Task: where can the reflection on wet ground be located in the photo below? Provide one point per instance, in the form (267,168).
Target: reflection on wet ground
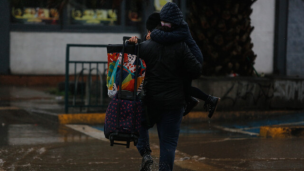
(33,134)
(28,98)
(254,125)
(69,156)
(244,153)
(203,147)
(24,134)
(26,143)
(51,147)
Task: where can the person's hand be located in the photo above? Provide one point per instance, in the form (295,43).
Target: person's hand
(148,37)
(133,39)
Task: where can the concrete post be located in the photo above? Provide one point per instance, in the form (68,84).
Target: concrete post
(280,39)
(4,37)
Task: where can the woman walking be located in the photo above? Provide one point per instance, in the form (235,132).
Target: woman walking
(167,66)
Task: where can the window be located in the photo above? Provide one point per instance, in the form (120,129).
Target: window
(158,4)
(33,12)
(82,15)
(133,13)
(93,12)
(77,15)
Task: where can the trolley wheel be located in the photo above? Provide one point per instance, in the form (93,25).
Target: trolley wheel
(135,141)
(128,144)
(111,140)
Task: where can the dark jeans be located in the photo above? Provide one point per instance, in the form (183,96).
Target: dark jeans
(193,91)
(168,131)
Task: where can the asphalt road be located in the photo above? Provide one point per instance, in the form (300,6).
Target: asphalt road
(27,143)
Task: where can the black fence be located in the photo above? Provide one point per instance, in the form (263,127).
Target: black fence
(87,83)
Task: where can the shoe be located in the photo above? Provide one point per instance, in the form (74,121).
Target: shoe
(146,163)
(211,104)
(190,105)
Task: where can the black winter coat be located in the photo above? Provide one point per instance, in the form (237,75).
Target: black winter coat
(167,65)
(172,14)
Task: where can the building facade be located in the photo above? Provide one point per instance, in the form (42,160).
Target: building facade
(34,35)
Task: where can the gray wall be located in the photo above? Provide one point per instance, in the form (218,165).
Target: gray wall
(262,18)
(295,41)
(4,37)
(253,93)
(44,53)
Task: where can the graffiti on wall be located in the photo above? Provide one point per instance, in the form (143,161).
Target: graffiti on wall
(251,92)
(262,94)
(289,90)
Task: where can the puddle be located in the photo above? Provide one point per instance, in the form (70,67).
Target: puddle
(254,126)
(28,134)
(34,134)
(185,129)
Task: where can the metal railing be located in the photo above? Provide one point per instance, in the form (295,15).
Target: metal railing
(88,83)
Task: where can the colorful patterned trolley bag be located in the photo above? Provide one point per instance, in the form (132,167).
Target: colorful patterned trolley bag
(125,77)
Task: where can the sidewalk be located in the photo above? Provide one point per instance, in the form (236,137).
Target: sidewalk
(237,141)
(38,102)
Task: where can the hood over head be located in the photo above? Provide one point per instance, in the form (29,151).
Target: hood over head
(172,14)
(153,21)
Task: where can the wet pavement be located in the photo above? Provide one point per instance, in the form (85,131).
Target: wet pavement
(252,127)
(35,98)
(33,145)
(30,143)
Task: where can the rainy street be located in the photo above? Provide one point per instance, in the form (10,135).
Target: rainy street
(28,143)
(72,71)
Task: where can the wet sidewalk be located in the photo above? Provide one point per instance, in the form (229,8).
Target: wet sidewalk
(35,98)
(31,139)
(37,147)
(37,101)
(201,147)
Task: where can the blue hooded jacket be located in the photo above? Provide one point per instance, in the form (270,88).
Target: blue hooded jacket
(171,13)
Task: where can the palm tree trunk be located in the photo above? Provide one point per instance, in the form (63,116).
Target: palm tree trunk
(222,30)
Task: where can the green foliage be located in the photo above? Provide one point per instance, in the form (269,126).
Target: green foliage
(55,91)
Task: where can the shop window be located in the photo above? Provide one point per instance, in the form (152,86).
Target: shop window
(81,15)
(133,11)
(158,4)
(33,12)
(93,12)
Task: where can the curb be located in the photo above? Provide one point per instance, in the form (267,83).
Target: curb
(275,131)
(279,131)
(62,119)
(83,118)
(192,117)
(195,117)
